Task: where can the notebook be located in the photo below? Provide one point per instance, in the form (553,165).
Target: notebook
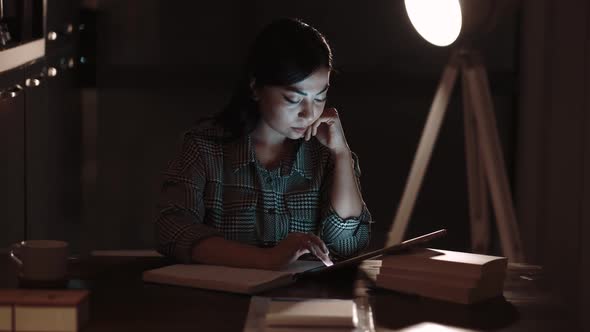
(291,312)
(252,281)
(360,319)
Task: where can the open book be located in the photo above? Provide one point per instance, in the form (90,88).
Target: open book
(230,279)
(251,281)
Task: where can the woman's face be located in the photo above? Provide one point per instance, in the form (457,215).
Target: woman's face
(289,110)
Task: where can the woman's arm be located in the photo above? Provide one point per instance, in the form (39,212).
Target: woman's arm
(345,194)
(345,218)
(179,224)
(345,236)
(219,251)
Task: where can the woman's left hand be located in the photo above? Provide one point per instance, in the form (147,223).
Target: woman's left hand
(328,130)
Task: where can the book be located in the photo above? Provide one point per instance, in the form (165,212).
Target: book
(255,320)
(445,292)
(43,310)
(229,279)
(445,275)
(126,253)
(441,278)
(447,262)
(289,312)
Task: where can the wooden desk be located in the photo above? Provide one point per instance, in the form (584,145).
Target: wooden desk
(121,301)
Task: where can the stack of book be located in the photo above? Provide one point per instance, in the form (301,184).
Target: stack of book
(446,275)
(43,310)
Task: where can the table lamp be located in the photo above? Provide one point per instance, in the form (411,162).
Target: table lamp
(458,23)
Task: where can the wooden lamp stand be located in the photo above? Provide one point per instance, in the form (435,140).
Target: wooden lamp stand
(485,162)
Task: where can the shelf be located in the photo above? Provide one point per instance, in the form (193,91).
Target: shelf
(19,55)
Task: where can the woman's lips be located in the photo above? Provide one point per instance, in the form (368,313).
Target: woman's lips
(299,130)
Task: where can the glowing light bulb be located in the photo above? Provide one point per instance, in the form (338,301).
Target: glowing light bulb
(437,21)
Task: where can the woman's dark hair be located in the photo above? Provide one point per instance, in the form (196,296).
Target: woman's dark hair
(285,52)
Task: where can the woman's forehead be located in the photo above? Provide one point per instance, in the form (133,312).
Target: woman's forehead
(315,83)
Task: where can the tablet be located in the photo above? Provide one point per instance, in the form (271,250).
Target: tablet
(408,244)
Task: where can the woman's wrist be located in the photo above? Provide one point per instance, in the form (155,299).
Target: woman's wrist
(219,251)
(341,153)
(263,258)
(270,258)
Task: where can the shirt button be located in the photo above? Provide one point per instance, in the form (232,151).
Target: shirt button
(270,211)
(269,180)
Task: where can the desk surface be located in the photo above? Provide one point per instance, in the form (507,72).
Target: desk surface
(121,301)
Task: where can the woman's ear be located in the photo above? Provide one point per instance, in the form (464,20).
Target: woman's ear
(253,92)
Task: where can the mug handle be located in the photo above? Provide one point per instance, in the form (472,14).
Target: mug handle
(14,251)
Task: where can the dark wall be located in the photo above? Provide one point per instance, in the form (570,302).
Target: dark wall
(161,65)
(554,147)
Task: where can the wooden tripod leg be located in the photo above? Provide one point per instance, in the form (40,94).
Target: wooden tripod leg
(477,83)
(423,154)
(476,185)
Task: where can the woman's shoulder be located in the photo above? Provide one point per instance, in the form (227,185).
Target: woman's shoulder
(206,132)
(206,128)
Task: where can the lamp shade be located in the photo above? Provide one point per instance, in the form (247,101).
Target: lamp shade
(443,22)
(437,21)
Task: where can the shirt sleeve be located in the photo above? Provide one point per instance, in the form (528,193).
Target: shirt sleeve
(344,237)
(179,223)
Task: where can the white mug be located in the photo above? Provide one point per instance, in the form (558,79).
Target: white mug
(41,260)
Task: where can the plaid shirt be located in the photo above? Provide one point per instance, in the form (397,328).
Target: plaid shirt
(216,188)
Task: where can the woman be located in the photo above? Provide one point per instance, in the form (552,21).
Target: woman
(271,177)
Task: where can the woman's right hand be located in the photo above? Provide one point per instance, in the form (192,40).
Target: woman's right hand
(294,246)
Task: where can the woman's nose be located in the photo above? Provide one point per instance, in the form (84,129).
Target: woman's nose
(306,112)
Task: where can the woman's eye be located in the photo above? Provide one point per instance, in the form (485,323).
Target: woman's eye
(292,101)
(320,100)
